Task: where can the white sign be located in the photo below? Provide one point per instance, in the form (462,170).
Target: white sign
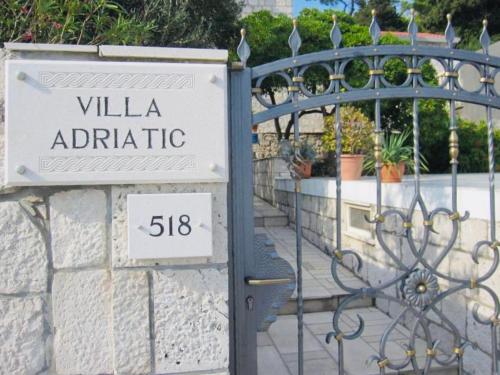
(75,122)
(169,225)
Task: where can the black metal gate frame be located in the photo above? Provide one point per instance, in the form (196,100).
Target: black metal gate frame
(419,280)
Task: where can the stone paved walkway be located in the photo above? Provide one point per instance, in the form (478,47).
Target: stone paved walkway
(277,348)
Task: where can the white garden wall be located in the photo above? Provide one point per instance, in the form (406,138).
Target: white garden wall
(319,221)
(71,302)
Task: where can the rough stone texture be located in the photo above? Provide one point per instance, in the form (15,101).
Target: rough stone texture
(265,172)
(78,228)
(82,322)
(119,226)
(23,255)
(269,146)
(197,302)
(22,348)
(132,346)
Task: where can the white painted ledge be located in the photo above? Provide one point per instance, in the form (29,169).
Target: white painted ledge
(473,192)
(157,53)
(164,53)
(43,47)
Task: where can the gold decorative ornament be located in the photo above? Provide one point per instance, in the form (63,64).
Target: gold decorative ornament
(473,283)
(298,79)
(428,223)
(494,245)
(410,353)
(374,72)
(383,363)
(377,148)
(453,146)
(487,80)
(336,77)
(495,321)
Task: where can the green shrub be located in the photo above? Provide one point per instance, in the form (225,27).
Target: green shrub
(473,146)
(70,21)
(357,132)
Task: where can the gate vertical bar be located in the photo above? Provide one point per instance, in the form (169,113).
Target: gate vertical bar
(412,31)
(450,75)
(294,42)
(336,37)
(241,226)
(489,80)
(375,34)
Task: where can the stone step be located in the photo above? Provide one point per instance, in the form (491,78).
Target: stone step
(266,215)
(271,221)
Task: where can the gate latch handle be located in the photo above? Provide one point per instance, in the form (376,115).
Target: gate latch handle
(266,282)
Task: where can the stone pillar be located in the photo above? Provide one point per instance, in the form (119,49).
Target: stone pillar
(71,302)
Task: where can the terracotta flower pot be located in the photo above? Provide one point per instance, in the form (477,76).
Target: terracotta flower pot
(304,169)
(351,166)
(391,173)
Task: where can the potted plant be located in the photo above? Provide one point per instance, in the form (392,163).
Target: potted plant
(397,155)
(357,132)
(304,165)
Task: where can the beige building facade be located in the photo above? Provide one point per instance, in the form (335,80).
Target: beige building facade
(275,6)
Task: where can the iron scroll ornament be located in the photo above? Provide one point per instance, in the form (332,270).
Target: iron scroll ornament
(419,279)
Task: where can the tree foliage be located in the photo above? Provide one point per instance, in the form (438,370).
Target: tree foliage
(188,23)
(467,17)
(268,39)
(348,6)
(387,15)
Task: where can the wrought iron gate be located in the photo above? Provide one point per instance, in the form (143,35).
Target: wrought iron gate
(418,280)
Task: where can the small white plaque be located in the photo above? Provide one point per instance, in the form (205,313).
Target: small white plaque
(169,225)
(75,122)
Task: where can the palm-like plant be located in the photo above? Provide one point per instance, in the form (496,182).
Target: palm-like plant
(395,150)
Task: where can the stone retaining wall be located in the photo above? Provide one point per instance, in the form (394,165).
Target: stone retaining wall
(71,302)
(265,172)
(268,146)
(319,221)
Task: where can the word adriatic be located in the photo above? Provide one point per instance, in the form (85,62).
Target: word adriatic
(117,138)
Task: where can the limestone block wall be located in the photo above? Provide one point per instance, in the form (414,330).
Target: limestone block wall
(266,171)
(71,302)
(319,222)
(269,146)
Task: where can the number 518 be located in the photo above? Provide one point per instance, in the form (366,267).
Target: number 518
(183,227)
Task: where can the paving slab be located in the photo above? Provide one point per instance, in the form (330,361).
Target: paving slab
(279,345)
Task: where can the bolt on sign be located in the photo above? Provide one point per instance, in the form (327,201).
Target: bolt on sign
(74,122)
